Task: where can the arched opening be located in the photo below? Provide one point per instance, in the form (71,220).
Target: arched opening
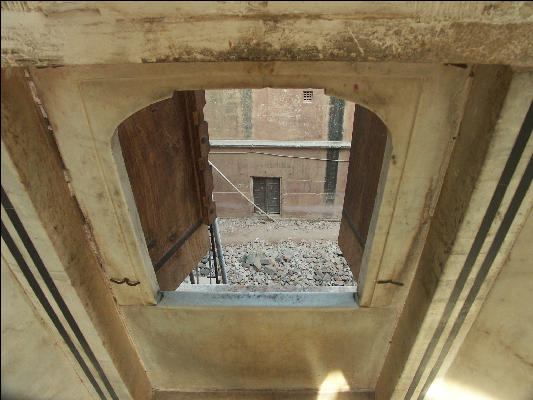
(165,148)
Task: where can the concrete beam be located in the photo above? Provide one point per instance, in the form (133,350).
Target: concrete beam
(58,33)
(193,297)
(281,144)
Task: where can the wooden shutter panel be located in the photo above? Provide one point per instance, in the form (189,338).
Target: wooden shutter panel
(272,196)
(369,140)
(259,189)
(165,148)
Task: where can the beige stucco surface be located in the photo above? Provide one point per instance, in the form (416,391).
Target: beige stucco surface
(78,99)
(273,114)
(279,115)
(518,97)
(489,32)
(33,364)
(239,348)
(301,186)
(111,59)
(78,102)
(496,359)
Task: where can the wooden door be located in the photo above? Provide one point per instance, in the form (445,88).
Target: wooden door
(272,196)
(267,195)
(165,148)
(369,140)
(259,189)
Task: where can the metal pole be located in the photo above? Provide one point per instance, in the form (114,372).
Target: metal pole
(219,251)
(210,267)
(214,253)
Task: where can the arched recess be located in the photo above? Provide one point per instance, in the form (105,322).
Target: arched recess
(164,147)
(86,106)
(367,169)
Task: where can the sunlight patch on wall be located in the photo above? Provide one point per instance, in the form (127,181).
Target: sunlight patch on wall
(446,389)
(335,382)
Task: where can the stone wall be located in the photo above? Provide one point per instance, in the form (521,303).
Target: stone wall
(277,114)
(302,180)
(309,188)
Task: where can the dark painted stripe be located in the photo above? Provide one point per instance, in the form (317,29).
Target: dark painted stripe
(335,133)
(176,247)
(246,109)
(330,181)
(354,229)
(336,119)
(49,282)
(479,240)
(47,307)
(510,214)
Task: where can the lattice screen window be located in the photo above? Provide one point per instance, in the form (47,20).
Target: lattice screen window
(308,96)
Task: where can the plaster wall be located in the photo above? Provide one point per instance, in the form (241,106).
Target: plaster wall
(411,99)
(203,349)
(448,293)
(421,104)
(496,358)
(302,181)
(81,33)
(33,363)
(76,287)
(278,115)
(272,114)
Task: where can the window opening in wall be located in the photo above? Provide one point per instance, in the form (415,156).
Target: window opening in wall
(294,188)
(280,197)
(308,96)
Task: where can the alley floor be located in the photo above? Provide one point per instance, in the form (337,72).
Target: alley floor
(284,252)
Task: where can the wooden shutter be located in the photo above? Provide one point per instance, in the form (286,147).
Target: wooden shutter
(369,140)
(272,196)
(259,188)
(165,148)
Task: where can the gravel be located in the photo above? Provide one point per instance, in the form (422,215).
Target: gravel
(232,225)
(284,263)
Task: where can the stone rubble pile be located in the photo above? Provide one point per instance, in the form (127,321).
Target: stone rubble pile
(230,225)
(285,263)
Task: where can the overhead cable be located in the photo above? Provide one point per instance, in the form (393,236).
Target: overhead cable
(276,155)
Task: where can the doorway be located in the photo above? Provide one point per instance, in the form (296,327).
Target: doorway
(267,195)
